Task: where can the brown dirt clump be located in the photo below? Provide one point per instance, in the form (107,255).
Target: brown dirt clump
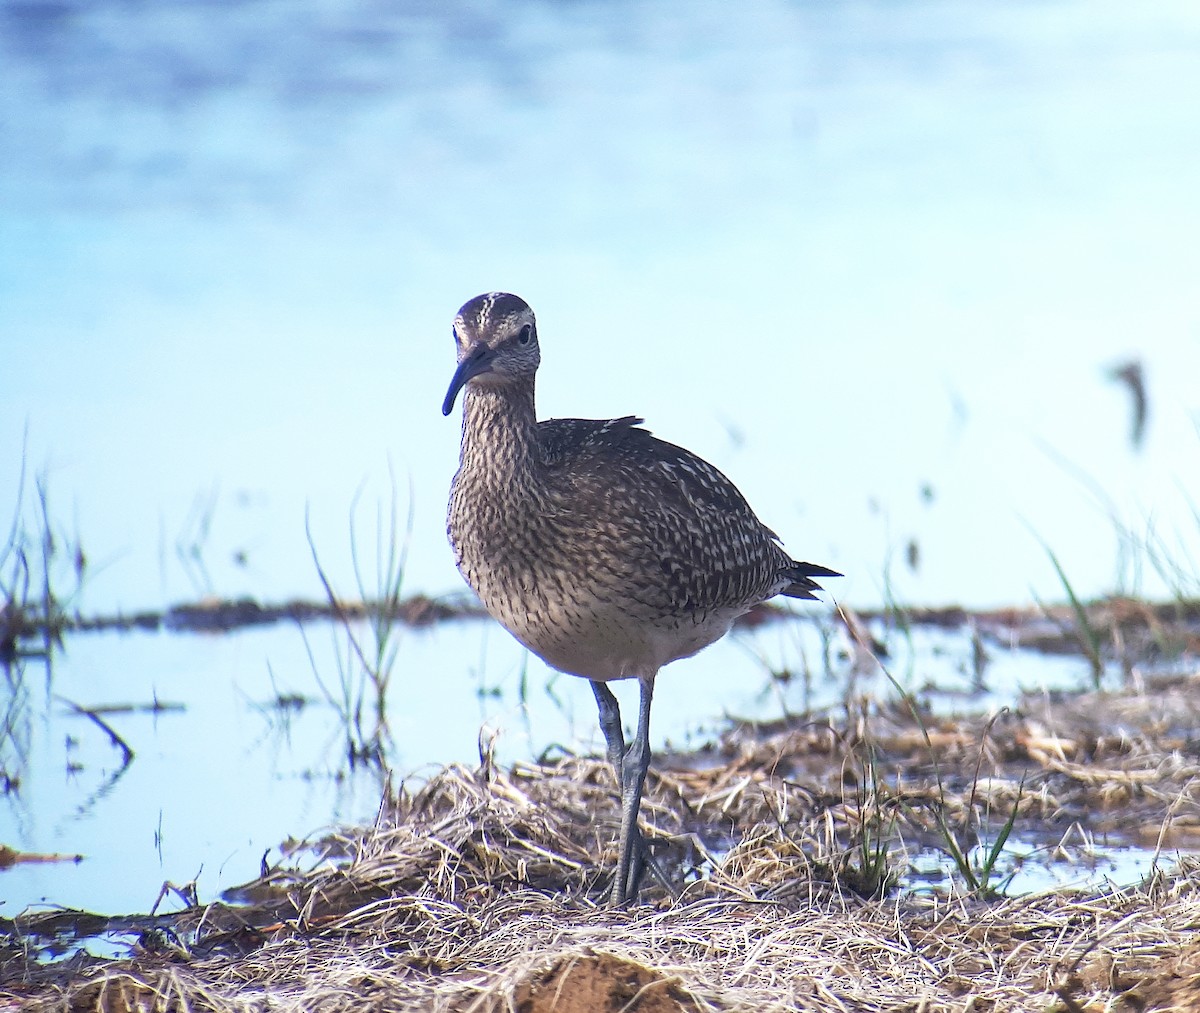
(600,983)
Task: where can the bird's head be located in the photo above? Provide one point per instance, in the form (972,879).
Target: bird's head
(496,336)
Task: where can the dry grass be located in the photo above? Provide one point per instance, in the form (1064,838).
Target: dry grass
(475,891)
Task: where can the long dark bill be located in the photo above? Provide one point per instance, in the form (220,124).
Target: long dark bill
(477,360)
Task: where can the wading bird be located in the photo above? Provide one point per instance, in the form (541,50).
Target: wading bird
(605,551)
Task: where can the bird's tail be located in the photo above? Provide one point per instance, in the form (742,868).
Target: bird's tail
(801,576)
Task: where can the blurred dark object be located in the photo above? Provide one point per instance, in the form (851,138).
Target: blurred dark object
(1133,376)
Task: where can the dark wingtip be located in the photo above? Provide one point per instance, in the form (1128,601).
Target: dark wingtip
(813,570)
(803,585)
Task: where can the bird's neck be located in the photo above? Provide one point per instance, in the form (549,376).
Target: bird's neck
(499,431)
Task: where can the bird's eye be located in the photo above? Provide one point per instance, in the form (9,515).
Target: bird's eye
(524,335)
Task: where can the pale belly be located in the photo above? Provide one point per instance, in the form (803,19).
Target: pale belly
(605,642)
(604,647)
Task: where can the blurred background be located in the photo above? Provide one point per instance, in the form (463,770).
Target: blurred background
(874,260)
(920,277)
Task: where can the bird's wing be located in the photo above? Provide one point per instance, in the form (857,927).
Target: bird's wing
(667,511)
(560,438)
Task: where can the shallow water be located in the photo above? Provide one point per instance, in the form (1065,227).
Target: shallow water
(217,783)
(225,773)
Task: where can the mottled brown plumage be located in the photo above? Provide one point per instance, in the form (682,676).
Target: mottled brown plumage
(607,552)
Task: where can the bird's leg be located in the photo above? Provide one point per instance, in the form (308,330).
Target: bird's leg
(610,725)
(632,853)
(632,857)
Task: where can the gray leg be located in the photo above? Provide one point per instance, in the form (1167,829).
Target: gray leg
(630,765)
(635,763)
(610,725)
